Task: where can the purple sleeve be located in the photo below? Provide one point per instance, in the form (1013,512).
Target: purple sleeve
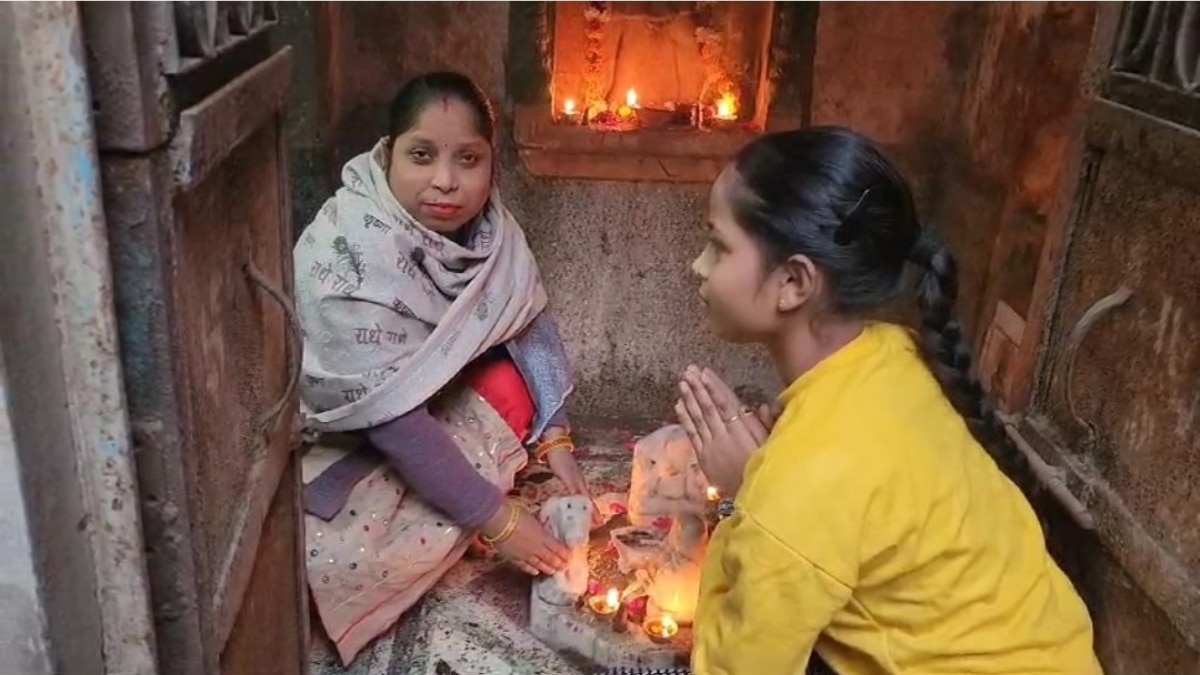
(431,464)
(559,419)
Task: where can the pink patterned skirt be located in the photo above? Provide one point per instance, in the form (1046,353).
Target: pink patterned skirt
(386,548)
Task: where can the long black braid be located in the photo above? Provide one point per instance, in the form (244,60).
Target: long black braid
(828,193)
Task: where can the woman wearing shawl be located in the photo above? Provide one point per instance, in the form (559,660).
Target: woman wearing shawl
(426,335)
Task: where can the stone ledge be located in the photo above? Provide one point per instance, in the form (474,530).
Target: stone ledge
(552,150)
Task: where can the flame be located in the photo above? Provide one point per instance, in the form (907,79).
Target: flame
(631,98)
(727,107)
(669,627)
(613,599)
(712,494)
(569,106)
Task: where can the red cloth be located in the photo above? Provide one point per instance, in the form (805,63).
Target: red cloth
(499,382)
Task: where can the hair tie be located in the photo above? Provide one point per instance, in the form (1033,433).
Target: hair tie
(924,248)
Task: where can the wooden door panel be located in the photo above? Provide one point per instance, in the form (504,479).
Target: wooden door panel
(277,599)
(201,232)
(1133,395)
(234,349)
(1117,398)
(231,212)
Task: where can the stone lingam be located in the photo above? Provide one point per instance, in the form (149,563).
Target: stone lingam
(628,596)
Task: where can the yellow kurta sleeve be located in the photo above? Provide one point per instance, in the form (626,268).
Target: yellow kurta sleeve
(767,615)
(873,519)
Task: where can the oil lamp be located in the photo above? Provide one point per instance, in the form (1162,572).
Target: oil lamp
(660,629)
(570,111)
(726,108)
(605,604)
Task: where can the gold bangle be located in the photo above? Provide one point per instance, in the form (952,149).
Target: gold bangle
(552,445)
(514,515)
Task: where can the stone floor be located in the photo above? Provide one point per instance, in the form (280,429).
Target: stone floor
(475,622)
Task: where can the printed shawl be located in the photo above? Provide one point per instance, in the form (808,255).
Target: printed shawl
(392,311)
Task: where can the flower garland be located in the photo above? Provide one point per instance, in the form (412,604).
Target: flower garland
(596,15)
(722,69)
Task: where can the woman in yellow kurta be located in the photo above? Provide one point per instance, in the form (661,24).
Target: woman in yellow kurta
(869,523)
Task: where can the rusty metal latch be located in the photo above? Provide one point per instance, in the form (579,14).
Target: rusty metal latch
(270,418)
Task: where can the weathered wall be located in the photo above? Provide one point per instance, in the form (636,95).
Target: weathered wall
(1022,110)
(910,104)
(23,644)
(897,72)
(49,621)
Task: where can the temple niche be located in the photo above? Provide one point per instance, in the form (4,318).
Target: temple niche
(654,91)
(630,66)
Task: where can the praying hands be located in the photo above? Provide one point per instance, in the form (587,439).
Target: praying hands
(724,432)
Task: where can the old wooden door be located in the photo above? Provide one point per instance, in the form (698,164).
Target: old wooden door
(189,100)
(1115,403)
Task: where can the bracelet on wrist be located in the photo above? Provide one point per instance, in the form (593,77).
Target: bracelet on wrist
(547,447)
(510,526)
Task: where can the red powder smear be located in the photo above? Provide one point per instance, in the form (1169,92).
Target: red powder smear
(617,509)
(445,103)
(593,587)
(422,541)
(662,522)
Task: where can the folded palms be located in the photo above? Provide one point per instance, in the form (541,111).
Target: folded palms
(724,432)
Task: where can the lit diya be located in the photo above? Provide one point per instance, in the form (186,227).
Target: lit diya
(605,604)
(571,111)
(660,629)
(726,108)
